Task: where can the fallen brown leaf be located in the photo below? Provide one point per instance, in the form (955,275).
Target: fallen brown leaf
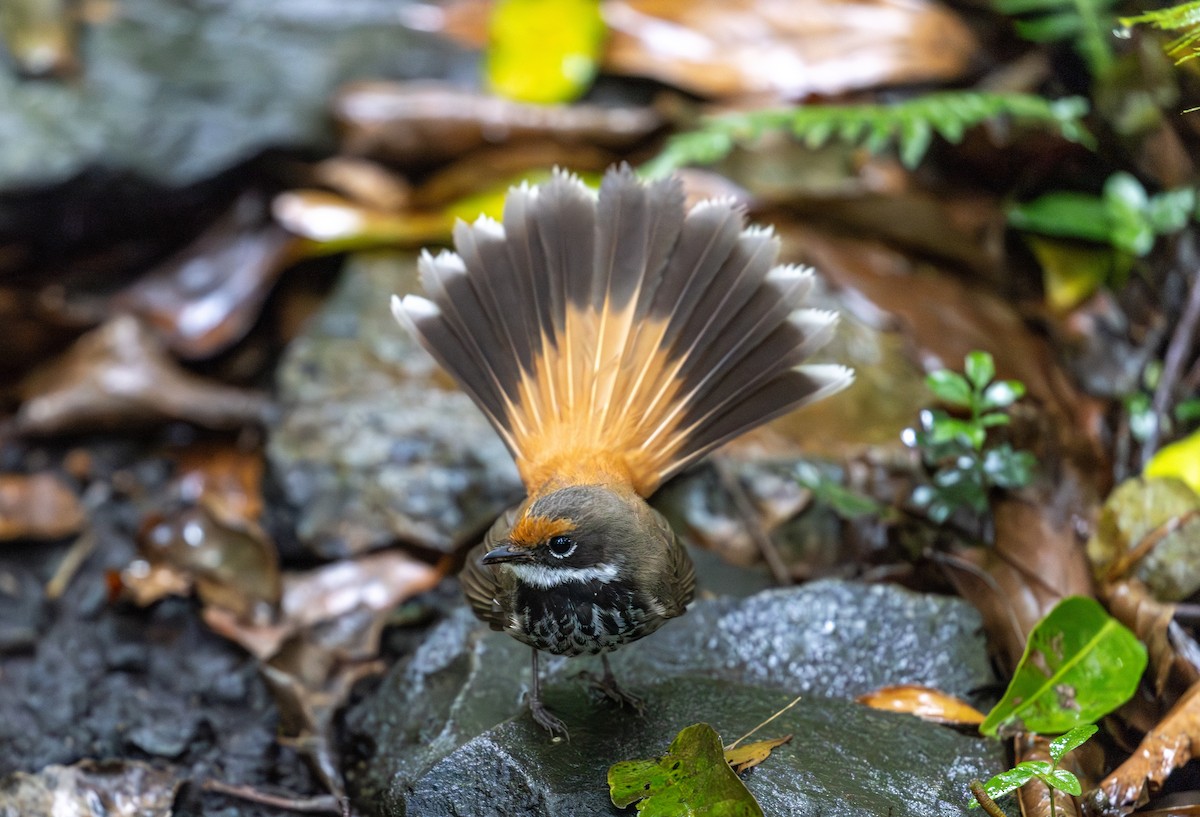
(206,297)
(118,376)
(38,506)
(324,642)
(926,703)
(1166,747)
(1153,622)
(416,123)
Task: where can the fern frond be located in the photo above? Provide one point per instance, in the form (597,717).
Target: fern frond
(1184,18)
(1088,24)
(911,125)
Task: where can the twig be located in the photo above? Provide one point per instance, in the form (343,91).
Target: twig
(745,509)
(321,804)
(989,581)
(1173,362)
(733,745)
(80,549)
(985,802)
(1126,561)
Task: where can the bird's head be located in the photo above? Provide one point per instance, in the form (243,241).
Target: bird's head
(582,533)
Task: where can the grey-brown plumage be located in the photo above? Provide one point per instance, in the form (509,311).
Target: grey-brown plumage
(612,340)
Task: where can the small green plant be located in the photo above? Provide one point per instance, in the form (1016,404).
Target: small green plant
(1184,18)
(1045,771)
(1124,216)
(910,124)
(964,469)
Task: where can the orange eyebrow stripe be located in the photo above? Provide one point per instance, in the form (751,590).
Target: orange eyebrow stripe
(531,531)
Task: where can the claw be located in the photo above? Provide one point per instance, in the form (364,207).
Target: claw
(607,685)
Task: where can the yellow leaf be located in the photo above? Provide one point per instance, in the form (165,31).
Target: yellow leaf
(746,757)
(544,50)
(1180,460)
(1072,271)
(927,704)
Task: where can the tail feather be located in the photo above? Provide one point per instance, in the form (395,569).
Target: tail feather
(621,328)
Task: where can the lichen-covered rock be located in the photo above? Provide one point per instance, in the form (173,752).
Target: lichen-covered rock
(447,733)
(375,444)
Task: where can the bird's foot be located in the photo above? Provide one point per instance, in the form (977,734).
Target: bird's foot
(607,686)
(547,719)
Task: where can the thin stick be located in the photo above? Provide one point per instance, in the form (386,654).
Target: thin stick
(80,549)
(1130,558)
(986,802)
(322,804)
(795,701)
(745,509)
(1173,362)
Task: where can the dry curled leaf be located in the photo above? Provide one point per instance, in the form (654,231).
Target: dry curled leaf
(118,376)
(324,642)
(205,298)
(424,122)
(233,565)
(1153,622)
(926,703)
(38,506)
(786,48)
(1168,746)
(749,755)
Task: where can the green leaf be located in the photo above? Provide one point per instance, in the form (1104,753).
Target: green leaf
(1170,212)
(1063,780)
(1072,740)
(1007,468)
(980,368)
(1079,665)
(1014,778)
(951,428)
(950,387)
(1069,215)
(845,503)
(544,50)
(1003,393)
(692,779)
(994,419)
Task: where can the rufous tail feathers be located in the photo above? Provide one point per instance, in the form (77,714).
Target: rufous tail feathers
(620,329)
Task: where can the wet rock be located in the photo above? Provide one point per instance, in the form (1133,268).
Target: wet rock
(178,91)
(118,788)
(449,722)
(375,443)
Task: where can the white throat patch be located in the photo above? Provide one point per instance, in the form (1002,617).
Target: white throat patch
(547,577)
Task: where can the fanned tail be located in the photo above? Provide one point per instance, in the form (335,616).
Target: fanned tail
(618,332)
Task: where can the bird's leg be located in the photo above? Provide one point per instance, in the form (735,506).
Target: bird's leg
(543,716)
(609,687)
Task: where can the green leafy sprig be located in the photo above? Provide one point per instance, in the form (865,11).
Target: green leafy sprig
(910,124)
(1124,216)
(963,469)
(1184,18)
(1045,771)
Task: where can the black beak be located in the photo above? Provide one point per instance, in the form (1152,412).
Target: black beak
(507,553)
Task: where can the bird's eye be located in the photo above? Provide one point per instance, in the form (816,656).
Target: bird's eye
(562,546)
